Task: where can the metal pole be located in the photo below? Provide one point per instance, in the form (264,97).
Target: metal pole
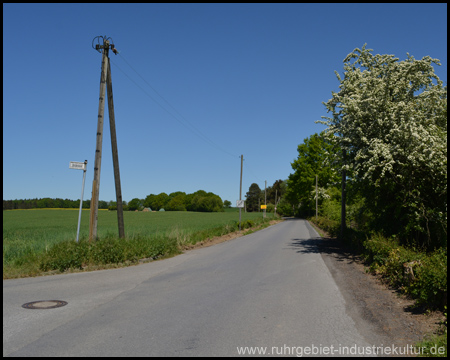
(81,200)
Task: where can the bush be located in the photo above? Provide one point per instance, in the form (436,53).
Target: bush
(65,255)
(430,287)
(247,224)
(330,226)
(109,250)
(416,273)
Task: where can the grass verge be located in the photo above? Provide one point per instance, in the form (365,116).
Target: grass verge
(109,251)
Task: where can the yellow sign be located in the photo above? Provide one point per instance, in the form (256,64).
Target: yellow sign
(263,207)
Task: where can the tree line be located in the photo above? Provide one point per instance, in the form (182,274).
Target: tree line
(387,133)
(272,196)
(178,201)
(45,203)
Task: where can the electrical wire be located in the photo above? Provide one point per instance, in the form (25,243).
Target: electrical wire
(250,170)
(192,128)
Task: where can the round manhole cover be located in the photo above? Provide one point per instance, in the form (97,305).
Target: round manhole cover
(44,304)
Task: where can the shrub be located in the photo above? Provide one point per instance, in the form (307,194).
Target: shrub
(430,286)
(421,275)
(108,250)
(247,224)
(330,226)
(65,255)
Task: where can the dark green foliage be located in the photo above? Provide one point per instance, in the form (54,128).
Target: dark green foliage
(395,263)
(253,198)
(315,157)
(431,286)
(135,204)
(65,255)
(205,202)
(178,201)
(428,284)
(247,224)
(46,203)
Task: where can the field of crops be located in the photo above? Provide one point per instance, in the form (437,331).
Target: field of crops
(27,234)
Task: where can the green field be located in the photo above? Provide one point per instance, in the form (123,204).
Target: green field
(29,234)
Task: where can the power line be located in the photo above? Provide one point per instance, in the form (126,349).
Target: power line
(192,127)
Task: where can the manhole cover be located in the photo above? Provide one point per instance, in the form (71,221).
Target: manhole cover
(44,304)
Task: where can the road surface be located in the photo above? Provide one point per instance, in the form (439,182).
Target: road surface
(267,293)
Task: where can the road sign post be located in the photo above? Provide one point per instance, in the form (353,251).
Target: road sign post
(79,166)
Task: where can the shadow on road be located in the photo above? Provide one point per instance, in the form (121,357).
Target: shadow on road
(319,245)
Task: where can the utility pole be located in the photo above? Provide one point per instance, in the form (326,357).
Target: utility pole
(265,197)
(98,148)
(115,154)
(240,192)
(104,78)
(275,210)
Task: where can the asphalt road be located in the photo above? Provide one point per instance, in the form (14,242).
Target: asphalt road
(269,290)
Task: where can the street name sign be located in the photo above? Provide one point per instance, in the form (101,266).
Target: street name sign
(77,165)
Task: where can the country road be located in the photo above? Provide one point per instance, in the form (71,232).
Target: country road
(268,290)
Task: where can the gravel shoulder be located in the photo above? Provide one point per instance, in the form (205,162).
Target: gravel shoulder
(389,313)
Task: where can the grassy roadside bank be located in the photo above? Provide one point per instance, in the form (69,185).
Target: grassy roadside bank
(42,242)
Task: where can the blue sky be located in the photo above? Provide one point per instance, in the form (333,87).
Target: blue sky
(251,78)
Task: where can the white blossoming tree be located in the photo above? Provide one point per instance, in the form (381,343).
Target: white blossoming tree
(390,119)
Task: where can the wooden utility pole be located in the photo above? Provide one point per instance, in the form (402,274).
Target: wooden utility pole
(275,210)
(265,197)
(98,147)
(105,81)
(115,154)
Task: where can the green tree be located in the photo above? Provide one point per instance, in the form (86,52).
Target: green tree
(156,202)
(206,202)
(390,119)
(112,205)
(253,197)
(276,190)
(177,202)
(227,204)
(102,204)
(315,157)
(135,204)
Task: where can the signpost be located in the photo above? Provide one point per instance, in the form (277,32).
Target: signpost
(79,166)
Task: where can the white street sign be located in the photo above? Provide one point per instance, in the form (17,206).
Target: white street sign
(77,165)
(240,203)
